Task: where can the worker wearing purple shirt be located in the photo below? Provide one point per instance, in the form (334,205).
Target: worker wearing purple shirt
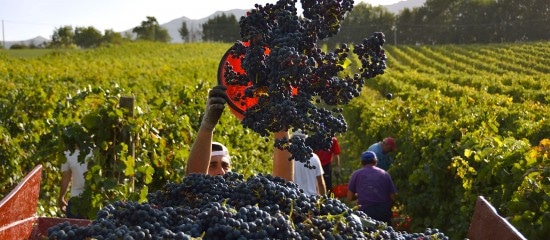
(373,188)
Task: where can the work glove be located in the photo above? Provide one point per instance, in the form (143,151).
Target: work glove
(214,107)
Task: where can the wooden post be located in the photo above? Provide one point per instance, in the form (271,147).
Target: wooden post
(128,103)
(129,139)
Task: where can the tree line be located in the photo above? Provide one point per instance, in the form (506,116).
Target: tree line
(436,22)
(221,28)
(89,37)
(451,22)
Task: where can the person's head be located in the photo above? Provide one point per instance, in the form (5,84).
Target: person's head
(388,145)
(220,161)
(368,157)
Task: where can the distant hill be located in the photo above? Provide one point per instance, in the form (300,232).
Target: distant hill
(195,25)
(397,7)
(37,41)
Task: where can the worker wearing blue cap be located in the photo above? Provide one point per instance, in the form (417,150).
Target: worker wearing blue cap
(373,188)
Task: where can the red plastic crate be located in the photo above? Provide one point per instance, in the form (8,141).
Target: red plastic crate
(340,191)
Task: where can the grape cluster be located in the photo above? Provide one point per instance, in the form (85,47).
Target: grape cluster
(373,58)
(296,76)
(230,207)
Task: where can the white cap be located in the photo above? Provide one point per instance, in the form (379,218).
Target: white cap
(219,149)
(299,133)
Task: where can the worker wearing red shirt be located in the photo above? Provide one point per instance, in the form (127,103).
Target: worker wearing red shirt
(330,158)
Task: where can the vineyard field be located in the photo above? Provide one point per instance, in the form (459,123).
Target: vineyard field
(469,120)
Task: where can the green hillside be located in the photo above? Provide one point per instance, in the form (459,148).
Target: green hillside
(469,120)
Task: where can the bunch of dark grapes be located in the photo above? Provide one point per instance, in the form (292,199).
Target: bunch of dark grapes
(296,76)
(230,207)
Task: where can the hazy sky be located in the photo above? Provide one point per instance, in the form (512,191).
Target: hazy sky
(26,19)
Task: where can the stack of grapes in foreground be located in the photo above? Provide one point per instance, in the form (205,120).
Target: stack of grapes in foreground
(231,207)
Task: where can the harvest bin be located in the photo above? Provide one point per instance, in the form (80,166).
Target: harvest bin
(18,220)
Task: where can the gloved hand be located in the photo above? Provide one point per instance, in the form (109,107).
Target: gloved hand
(214,107)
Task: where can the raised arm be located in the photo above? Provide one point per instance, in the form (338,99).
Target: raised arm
(282,167)
(199,157)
